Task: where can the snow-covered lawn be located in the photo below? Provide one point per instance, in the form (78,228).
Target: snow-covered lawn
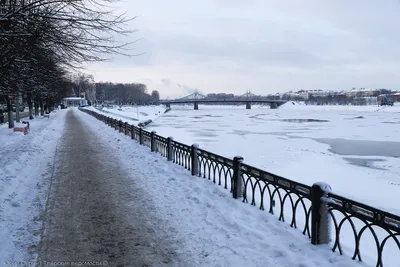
(26,165)
(216,230)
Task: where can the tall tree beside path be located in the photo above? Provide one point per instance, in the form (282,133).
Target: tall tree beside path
(41,41)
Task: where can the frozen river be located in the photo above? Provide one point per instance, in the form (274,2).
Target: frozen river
(354,149)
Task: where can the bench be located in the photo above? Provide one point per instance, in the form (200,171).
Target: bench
(47,115)
(22,128)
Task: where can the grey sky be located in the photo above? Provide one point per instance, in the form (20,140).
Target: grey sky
(265,46)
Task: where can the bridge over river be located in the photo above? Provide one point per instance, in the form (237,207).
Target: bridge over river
(246,99)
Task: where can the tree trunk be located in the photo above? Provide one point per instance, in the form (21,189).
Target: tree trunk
(36,105)
(48,105)
(10,112)
(51,105)
(17,117)
(41,106)
(30,106)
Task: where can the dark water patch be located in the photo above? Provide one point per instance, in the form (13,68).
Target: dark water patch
(392,122)
(212,116)
(212,130)
(197,117)
(171,116)
(206,134)
(298,129)
(367,163)
(202,121)
(358,117)
(348,147)
(304,120)
(255,117)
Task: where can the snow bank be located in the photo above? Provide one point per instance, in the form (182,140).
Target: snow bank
(25,173)
(291,105)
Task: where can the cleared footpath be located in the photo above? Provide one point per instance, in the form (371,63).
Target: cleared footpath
(95,213)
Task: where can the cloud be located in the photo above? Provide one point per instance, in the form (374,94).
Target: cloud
(265,46)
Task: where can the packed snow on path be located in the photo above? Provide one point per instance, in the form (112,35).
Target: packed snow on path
(26,168)
(215,229)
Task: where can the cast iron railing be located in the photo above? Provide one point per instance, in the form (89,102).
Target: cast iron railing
(363,220)
(161,145)
(181,154)
(146,138)
(267,190)
(216,168)
(314,208)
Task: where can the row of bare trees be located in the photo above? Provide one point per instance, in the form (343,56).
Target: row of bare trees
(42,41)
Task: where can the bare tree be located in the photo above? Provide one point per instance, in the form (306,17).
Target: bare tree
(155,95)
(40,40)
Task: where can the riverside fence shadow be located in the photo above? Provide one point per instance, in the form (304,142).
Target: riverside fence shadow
(360,231)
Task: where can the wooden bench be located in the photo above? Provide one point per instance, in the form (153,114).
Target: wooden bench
(22,128)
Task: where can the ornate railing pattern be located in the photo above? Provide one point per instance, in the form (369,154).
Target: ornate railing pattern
(129,130)
(370,229)
(216,168)
(278,195)
(136,131)
(146,138)
(181,154)
(363,220)
(161,145)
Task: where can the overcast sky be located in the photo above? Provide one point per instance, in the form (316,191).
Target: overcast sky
(263,46)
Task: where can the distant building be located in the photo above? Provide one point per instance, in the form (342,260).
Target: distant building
(211,95)
(396,97)
(74,101)
(304,95)
(318,93)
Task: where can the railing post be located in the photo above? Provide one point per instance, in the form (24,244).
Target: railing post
(141,136)
(237,187)
(170,151)
(126,128)
(320,222)
(132,132)
(153,141)
(195,160)
(115,124)
(120,126)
